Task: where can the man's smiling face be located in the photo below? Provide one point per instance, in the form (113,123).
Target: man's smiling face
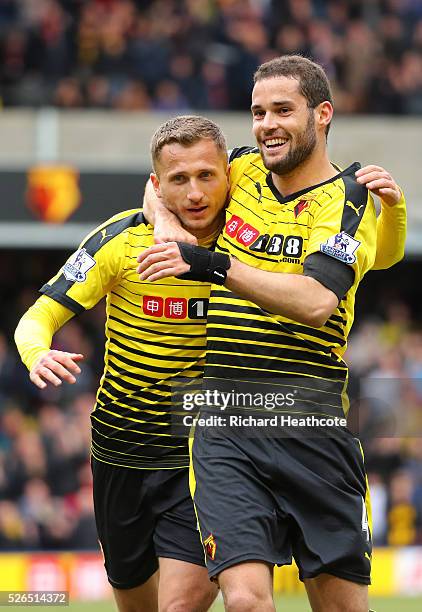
(283,124)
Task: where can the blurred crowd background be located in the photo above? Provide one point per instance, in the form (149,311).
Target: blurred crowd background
(178,55)
(45,478)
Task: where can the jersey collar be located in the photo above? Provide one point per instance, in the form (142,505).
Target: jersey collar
(284,200)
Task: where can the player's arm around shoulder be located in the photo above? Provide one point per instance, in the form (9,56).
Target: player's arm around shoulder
(366,236)
(392,221)
(341,247)
(167,227)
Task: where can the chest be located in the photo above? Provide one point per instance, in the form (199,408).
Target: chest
(261,231)
(167,300)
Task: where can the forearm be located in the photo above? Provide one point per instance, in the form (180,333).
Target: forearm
(154,209)
(294,296)
(391,235)
(167,226)
(35,331)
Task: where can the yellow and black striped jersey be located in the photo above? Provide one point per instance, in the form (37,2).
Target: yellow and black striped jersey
(155,334)
(275,233)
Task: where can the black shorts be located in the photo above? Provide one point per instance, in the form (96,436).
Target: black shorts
(271,499)
(142,515)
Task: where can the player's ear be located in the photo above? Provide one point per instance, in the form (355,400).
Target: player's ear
(324,114)
(155,183)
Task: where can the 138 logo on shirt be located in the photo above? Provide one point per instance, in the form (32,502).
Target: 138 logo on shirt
(291,246)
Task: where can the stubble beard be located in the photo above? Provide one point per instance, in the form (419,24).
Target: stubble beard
(298,154)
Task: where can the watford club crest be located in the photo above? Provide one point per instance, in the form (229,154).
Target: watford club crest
(53,192)
(210,547)
(301,206)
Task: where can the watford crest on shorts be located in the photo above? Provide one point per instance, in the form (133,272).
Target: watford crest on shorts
(210,546)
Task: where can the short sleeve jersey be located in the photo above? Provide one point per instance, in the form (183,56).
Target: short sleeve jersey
(155,335)
(266,230)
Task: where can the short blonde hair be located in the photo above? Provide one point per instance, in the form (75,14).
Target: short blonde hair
(186,130)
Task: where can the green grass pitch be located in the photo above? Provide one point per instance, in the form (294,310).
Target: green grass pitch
(287,603)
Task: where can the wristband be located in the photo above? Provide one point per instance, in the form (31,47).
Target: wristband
(205,266)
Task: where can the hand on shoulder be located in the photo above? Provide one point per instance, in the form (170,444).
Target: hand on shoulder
(381,183)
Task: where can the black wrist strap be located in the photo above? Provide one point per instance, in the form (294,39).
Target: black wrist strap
(205,266)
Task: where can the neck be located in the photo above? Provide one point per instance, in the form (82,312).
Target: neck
(207,235)
(316,169)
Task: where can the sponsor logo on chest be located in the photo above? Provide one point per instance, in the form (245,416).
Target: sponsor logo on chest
(175,307)
(290,246)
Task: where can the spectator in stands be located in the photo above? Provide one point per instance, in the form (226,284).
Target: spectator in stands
(404,517)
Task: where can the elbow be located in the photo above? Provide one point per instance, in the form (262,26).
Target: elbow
(17,334)
(319,321)
(399,256)
(322,319)
(319,313)
(315,319)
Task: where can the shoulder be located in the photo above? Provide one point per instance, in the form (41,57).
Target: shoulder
(246,160)
(239,152)
(353,191)
(114,228)
(122,221)
(358,210)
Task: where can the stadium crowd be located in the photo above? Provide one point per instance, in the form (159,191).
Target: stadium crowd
(179,55)
(45,478)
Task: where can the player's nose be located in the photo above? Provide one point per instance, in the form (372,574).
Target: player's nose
(195,195)
(269,121)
